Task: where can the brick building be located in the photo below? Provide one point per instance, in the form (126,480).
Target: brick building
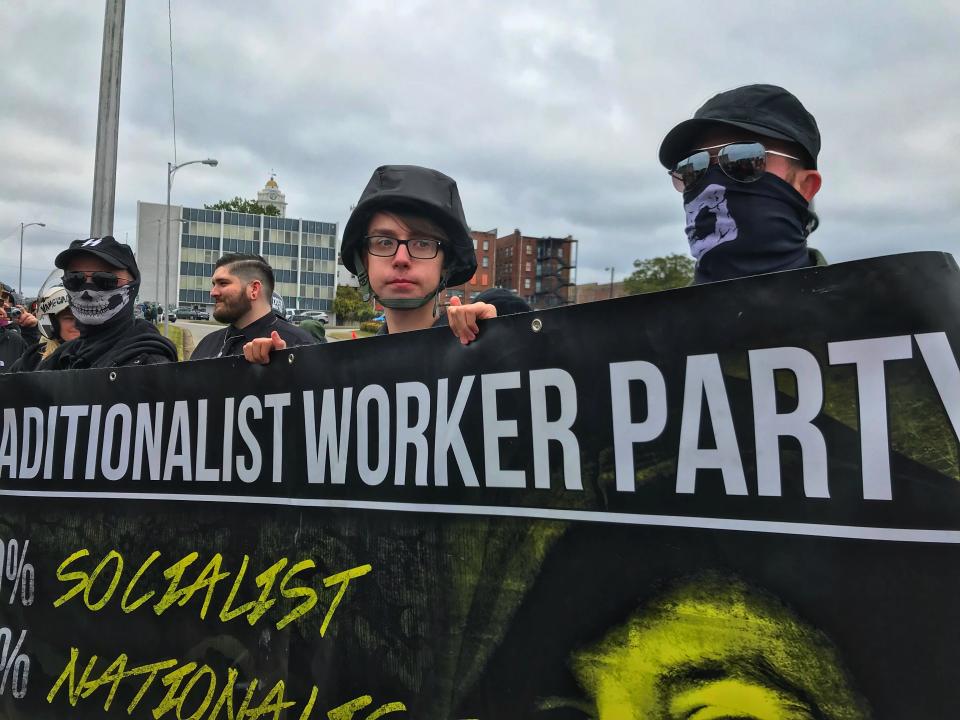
(485,246)
(540,270)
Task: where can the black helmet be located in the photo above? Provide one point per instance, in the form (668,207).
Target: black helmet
(422,191)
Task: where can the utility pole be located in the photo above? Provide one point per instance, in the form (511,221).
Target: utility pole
(108,121)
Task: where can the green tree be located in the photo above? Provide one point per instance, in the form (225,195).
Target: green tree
(659,273)
(349,305)
(238,204)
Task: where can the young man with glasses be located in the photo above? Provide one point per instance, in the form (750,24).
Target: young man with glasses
(242,292)
(407,240)
(746,164)
(101,278)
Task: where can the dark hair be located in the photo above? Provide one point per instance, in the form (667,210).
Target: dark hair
(249,267)
(415,222)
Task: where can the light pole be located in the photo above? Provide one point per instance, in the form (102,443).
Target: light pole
(611,281)
(171,169)
(157,283)
(20,276)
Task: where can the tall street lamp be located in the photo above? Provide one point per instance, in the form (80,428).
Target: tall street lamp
(159,244)
(171,169)
(611,281)
(20,276)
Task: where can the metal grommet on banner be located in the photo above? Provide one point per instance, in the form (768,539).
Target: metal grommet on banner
(113,375)
(537,325)
(290,358)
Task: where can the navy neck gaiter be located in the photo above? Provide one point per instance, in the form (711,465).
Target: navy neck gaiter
(738,229)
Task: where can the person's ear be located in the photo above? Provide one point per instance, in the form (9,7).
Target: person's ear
(807,183)
(254,288)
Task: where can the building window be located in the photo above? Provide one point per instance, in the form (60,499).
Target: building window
(486,244)
(483,279)
(528,267)
(529,250)
(486,262)
(526,283)
(475,244)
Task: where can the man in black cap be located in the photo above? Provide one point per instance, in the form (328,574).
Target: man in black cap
(746,164)
(101,278)
(242,291)
(17,328)
(406,240)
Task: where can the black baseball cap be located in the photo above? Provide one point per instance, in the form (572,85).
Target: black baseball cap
(767,110)
(106,248)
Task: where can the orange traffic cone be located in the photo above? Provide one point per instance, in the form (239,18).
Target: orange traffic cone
(353,334)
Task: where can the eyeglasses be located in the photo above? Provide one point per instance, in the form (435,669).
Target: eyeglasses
(75,280)
(744,162)
(418,248)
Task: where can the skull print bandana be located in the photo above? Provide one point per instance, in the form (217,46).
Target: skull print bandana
(92,307)
(737,229)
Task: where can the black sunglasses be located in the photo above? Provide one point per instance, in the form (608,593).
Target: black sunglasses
(744,162)
(78,279)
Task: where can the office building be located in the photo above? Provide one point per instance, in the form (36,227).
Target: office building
(301,252)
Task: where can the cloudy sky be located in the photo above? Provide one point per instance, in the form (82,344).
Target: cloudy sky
(548,114)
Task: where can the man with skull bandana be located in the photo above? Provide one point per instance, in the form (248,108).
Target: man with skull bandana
(746,164)
(101,278)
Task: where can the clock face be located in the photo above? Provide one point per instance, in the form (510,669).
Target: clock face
(273,196)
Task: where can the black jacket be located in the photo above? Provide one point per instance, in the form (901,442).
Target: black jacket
(12,346)
(30,358)
(230,340)
(138,343)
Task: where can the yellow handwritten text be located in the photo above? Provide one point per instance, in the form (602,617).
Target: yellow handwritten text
(190,692)
(98,586)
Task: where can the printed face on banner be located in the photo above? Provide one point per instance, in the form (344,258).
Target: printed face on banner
(230,297)
(400,276)
(716,648)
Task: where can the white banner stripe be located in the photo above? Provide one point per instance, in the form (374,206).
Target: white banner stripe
(853,532)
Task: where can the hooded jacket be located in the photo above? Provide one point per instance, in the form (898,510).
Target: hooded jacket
(136,343)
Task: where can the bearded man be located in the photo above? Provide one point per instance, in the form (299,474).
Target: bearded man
(101,278)
(242,289)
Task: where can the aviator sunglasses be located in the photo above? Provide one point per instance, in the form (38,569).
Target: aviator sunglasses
(741,161)
(75,280)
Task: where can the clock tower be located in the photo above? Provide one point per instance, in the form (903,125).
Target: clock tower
(271,195)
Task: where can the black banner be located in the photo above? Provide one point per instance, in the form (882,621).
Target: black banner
(735,500)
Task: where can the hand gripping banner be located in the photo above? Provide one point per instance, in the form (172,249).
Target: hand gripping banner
(737,500)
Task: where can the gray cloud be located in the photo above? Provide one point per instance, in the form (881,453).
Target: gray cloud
(549,114)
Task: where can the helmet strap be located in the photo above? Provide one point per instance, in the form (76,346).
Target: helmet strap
(366,292)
